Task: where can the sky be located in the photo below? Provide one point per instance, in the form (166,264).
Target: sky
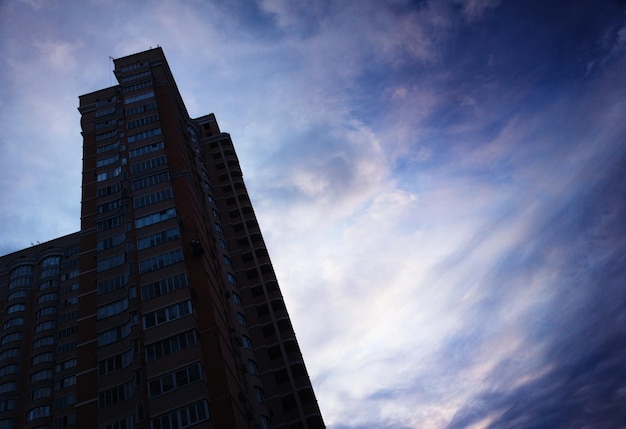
(441,184)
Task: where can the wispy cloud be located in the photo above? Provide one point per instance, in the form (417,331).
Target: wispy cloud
(473,10)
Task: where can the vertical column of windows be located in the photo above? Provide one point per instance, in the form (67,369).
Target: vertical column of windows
(47,329)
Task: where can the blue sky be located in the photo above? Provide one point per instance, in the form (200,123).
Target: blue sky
(441,184)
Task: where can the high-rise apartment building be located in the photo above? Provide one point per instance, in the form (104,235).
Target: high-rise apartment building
(163,311)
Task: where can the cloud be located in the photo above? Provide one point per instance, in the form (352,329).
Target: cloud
(58,55)
(38,4)
(581,383)
(475,9)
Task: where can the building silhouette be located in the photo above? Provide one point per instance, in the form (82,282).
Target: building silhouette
(163,311)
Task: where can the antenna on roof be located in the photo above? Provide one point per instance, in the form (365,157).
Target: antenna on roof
(112,59)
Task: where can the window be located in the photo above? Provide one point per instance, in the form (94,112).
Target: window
(167,314)
(70,363)
(105,225)
(141,122)
(9,369)
(165,286)
(100,103)
(112,262)
(266,423)
(17,321)
(66,332)
(110,242)
(133,66)
(145,149)
(144,135)
(7,405)
(150,180)
(22,270)
(44,326)
(44,374)
(6,423)
(247,343)
(115,363)
(113,308)
(20,282)
(231,279)
(66,347)
(43,341)
(219,228)
(236,298)
(183,417)
(171,345)
(109,190)
(66,382)
(46,311)
(105,124)
(10,353)
(15,308)
(51,261)
(241,319)
(144,96)
(69,263)
(148,164)
(65,421)
(126,423)
(258,393)
(17,294)
(174,380)
(140,109)
(107,147)
(64,401)
(109,174)
(66,317)
(42,358)
(115,334)
(154,198)
(11,386)
(38,412)
(161,261)
(137,86)
(14,336)
(136,76)
(49,284)
(108,161)
(158,238)
(155,218)
(69,288)
(40,393)
(69,302)
(110,206)
(227,261)
(110,285)
(46,298)
(115,395)
(106,135)
(252,367)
